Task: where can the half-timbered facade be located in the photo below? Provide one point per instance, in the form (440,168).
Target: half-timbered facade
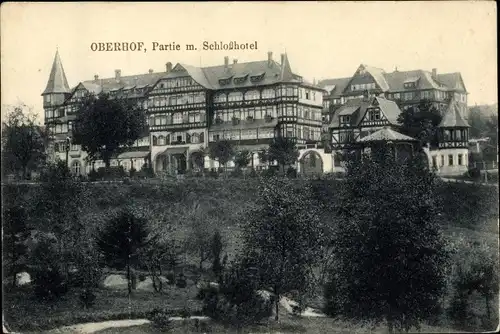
(407,88)
(190,107)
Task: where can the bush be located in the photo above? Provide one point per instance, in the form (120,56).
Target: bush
(291,172)
(181,281)
(161,321)
(474,173)
(87,298)
(49,284)
(269,172)
(236,301)
(132,172)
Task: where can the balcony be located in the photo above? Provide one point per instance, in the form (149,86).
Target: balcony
(177,126)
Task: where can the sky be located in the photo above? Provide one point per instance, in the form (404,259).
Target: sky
(322,40)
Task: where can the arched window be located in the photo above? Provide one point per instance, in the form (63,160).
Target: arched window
(76,167)
(252,95)
(195,138)
(155,141)
(235,96)
(221,97)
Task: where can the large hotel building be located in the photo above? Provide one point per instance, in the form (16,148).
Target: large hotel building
(189,107)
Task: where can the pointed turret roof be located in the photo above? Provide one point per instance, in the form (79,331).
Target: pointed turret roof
(286,70)
(386,134)
(453,117)
(57,80)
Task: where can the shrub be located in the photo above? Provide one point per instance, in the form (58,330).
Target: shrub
(474,173)
(236,301)
(49,284)
(161,321)
(87,297)
(291,172)
(181,281)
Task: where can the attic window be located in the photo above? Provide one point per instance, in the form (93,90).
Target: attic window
(257,77)
(345,119)
(225,81)
(240,80)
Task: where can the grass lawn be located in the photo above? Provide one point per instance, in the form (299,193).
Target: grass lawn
(24,313)
(287,324)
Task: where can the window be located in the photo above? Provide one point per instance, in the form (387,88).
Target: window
(161,141)
(268,94)
(434,161)
(460,159)
(442,160)
(177,118)
(396,96)
(307,95)
(75,167)
(235,96)
(450,160)
(74,147)
(447,134)
(221,97)
(216,137)
(408,96)
(375,115)
(252,95)
(345,119)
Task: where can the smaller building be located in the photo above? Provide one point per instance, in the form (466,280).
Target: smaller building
(363,123)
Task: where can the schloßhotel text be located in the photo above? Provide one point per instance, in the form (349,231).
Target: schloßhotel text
(172,46)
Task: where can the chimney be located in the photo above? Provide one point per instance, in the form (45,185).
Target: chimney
(96,77)
(235,61)
(434,73)
(226,62)
(169,67)
(270,59)
(118,74)
(150,70)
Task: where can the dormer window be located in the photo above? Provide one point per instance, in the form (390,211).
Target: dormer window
(240,80)
(224,82)
(345,119)
(257,77)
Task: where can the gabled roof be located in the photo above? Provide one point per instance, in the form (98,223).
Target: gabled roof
(335,87)
(389,108)
(452,80)
(386,134)
(394,81)
(378,75)
(359,106)
(57,79)
(453,117)
(397,79)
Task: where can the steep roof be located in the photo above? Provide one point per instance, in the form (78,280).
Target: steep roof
(378,75)
(389,108)
(452,80)
(357,108)
(334,87)
(453,117)
(397,79)
(268,73)
(386,134)
(57,79)
(394,81)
